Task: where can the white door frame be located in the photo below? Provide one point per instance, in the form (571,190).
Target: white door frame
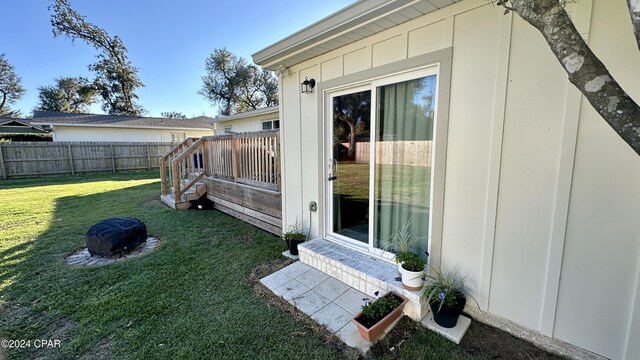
(372,85)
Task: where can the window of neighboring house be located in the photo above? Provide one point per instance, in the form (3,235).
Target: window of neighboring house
(227,130)
(270,124)
(178,137)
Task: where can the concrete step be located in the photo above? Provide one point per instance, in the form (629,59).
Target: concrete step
(360,271)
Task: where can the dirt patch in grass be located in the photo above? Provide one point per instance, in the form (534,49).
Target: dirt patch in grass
(494,343)
(61,330)
(102,351)
(309,325)
(245,239)
(404,330)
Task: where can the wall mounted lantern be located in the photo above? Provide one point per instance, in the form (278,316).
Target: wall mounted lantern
(307,86)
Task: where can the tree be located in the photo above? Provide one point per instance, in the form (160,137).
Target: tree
(354,111)
(235,85)
(173,115)
(584,68)
(116,78)
(67,95)
(11,89)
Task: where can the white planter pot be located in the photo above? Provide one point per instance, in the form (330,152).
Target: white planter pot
(412,280)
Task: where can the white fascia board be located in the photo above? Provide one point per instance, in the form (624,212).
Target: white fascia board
(337,23)
(121,126)
(245,115)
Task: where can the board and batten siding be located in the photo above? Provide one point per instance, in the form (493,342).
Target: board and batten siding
(94,133)
(542,198)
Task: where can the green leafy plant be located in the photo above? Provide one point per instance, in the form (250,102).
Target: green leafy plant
(444,289)
(375,310)
(410,261)
(294,232)
(401,241)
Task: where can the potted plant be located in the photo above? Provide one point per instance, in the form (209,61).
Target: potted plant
(412,270)
(446,296)
(376,316)
(401,243)
(293,237)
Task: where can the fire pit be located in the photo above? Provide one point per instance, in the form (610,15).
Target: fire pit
(114,236)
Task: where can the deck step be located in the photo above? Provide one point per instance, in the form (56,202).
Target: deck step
(361,271)
(194,193)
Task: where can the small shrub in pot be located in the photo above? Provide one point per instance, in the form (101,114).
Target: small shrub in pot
(294,237)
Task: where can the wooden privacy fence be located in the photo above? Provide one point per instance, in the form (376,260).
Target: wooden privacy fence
(249,158)
(25,159)
(414,153)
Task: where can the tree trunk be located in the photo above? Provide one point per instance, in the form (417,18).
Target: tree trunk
(351,153)
(4,99)
(634,11)
(584,68)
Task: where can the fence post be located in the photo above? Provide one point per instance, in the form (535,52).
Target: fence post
(205,157)
(113,159)
(148,158)
(73,172)
(3,170)
(234,158)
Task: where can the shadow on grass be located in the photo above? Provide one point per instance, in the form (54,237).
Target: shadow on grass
(190,298)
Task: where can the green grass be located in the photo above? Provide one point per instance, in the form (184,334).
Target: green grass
(394,183)
(191,298)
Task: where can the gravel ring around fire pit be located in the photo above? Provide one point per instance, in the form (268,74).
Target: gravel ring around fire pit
(83,258)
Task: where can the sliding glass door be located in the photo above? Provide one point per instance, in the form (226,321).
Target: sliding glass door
(349,165)
(379,170)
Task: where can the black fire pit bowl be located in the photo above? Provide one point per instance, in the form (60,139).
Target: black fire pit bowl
(113,236)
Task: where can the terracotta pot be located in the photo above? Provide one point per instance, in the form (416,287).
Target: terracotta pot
(448,316)
(412,280)
(374,332)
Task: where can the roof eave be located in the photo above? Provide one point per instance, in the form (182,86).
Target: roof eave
(245,115)
(121,126)
(340,22)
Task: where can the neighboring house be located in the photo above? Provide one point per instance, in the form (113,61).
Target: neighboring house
(519,184)
(250,121)
(19,126)
(92,127)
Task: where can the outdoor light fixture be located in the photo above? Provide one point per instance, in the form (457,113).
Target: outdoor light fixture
(307,86)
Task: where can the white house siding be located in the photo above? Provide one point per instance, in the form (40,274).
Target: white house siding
(598,302)
(542,198)
(244,125)
(94,133)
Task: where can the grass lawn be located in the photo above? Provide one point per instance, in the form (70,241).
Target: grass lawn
(193,297)
(395,183)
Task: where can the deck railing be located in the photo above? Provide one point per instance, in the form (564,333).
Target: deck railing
(248,158)
(166,176)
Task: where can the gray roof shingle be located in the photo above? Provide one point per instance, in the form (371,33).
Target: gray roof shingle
(53,118)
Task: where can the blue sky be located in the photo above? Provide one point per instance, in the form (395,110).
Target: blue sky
(168,41)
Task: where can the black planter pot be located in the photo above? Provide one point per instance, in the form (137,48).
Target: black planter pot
(448,316)
(293,246)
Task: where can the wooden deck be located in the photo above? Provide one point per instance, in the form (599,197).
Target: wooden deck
(239,173)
